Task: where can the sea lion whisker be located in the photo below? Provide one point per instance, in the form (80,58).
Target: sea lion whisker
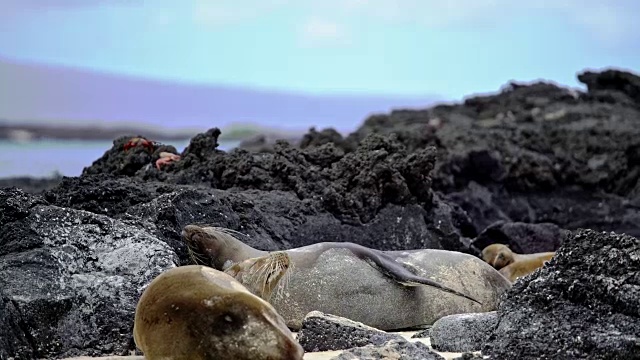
(286,277)
(195,256)
(284,283)
(227,231)
(259,275)
(262,269)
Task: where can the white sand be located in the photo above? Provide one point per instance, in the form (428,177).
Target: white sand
(324,355)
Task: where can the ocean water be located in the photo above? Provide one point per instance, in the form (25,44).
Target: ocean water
(48,157)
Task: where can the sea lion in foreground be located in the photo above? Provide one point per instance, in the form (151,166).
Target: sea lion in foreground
(499,256)
(197,313)
(383,289)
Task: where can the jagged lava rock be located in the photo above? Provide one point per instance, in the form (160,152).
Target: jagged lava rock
(73,278)
(353,187)
(523,238)
(612,81)
(542,152)
(14,342)
(273,220)
(583,304)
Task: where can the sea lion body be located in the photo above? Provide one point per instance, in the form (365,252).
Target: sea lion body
(524,266)
(198,313)
(513,265)
(341,279)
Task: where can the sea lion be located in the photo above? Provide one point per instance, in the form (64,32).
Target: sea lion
(383,289)
(523,267)
(499,256)
(195,312)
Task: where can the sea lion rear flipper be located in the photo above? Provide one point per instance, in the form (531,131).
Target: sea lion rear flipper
(387,265)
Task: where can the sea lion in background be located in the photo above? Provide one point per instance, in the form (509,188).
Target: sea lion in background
(499,256)
(196,313)
(523,267)
(383,289)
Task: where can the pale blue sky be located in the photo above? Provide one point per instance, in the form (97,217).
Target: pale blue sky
(399,47)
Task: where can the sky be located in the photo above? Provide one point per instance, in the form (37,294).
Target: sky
(452,48)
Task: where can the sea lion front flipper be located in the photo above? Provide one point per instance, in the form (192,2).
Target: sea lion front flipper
(395,270)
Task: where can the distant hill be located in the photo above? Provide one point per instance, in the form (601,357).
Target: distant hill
(56,94)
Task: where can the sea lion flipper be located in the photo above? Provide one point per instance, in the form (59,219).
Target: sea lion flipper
(393,269)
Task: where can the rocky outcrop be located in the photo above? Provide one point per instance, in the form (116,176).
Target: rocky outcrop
(521,166)
(533,153)
(612,86)
(353,187)
(584,303)
(523,238)
(70,279)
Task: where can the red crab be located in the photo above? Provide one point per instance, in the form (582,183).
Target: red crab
(136,141)
(165,158)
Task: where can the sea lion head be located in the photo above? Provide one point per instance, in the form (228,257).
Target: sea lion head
(497,255)
(216,246)
(197,313)
(261,275)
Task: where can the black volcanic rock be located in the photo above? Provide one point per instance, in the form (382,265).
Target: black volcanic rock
(532,153)
(584,304)
(353,187)
(70,279)
(15,339)
(612,81)
(316,138)
(523,238)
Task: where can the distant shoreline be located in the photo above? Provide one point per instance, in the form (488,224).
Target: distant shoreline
(37,132)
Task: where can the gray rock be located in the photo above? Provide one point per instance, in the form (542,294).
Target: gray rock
(324,332)
(393,349)
(462,332)
(13,341)
(71,280)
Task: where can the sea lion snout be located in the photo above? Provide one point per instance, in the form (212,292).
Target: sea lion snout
(189,231)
